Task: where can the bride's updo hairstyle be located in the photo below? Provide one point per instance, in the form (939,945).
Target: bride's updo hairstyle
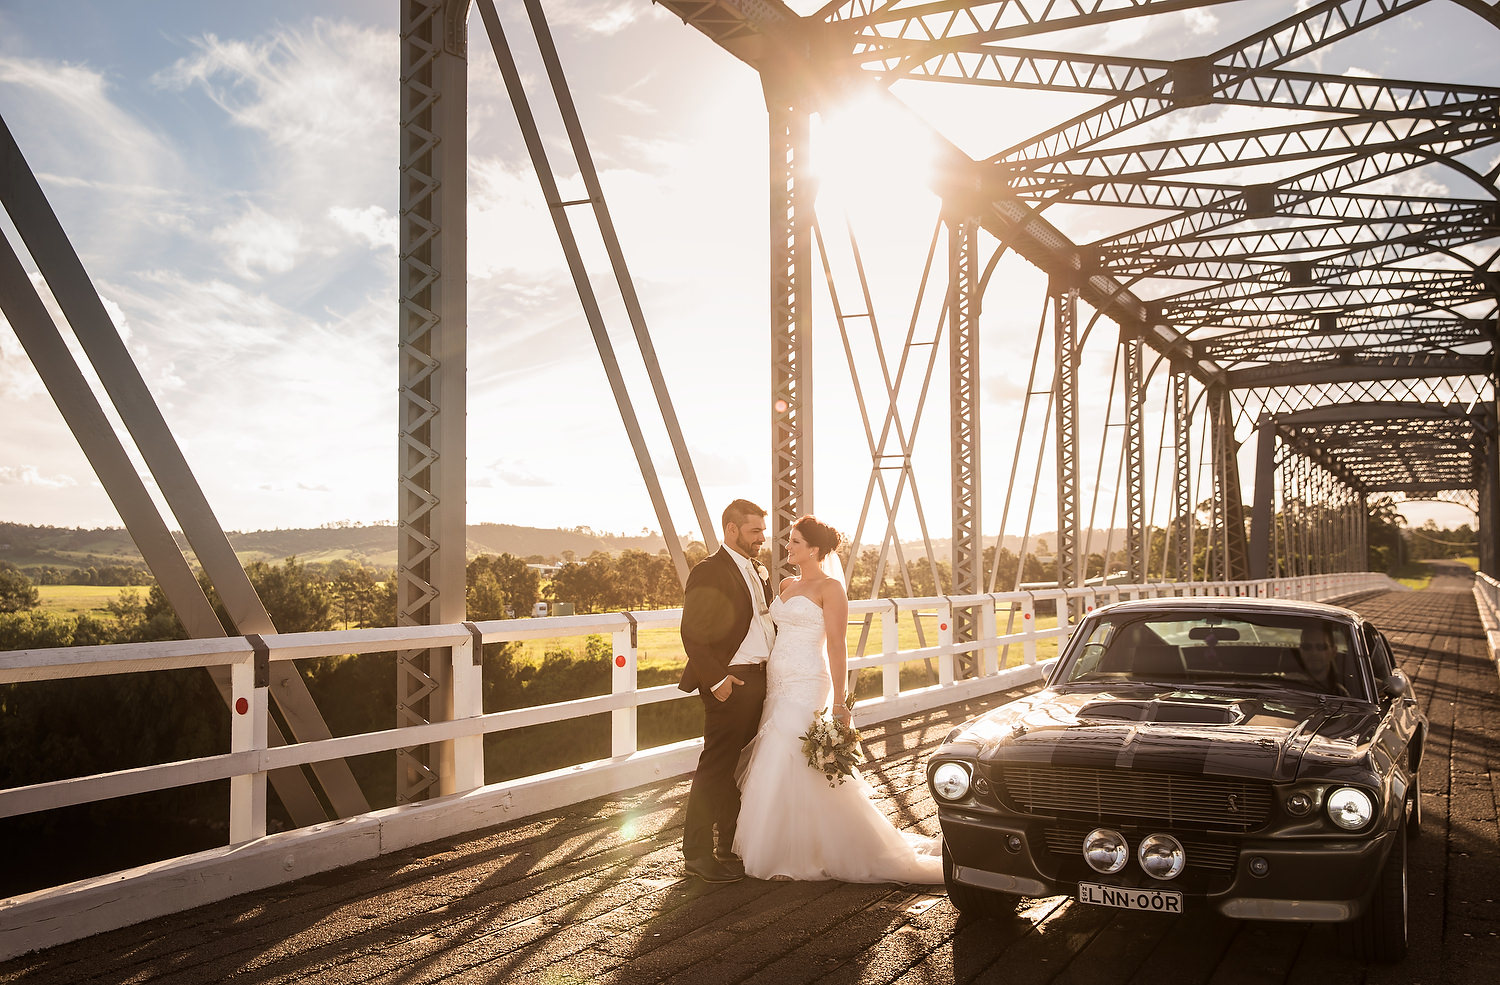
(819,535)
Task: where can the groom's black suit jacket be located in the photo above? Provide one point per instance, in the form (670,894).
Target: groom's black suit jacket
(716,615)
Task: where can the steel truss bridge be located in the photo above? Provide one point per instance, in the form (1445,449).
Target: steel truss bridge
(1268,259)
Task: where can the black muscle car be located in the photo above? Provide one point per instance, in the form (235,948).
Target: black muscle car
(1255,756)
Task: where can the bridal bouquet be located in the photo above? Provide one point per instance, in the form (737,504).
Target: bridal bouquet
(832,747)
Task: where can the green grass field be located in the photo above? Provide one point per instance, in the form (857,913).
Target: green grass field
(72,600)
(662,648)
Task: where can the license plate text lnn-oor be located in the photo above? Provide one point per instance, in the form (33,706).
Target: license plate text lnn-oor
(1149,900)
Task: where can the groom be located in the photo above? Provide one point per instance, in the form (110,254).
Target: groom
(727,633)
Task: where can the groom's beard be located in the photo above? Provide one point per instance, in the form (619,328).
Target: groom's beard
(750,549)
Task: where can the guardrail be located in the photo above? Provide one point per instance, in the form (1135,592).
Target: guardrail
(255,860)
(1487,598)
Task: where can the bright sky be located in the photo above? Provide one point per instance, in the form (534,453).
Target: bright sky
(228,174)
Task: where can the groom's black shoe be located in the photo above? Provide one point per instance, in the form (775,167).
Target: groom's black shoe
(732,862)
(710,869)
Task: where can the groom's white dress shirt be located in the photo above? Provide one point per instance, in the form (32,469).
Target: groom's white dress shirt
(755,648)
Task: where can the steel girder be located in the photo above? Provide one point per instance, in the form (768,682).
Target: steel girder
(1227,534)
(61,267)
(791,210)
(1181,522)
(963,410)
(431,492)
(1138,545)
(1070,551)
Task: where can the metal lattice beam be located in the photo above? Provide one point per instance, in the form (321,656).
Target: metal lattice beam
(431,535)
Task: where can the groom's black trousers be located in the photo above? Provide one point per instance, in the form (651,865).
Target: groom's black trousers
(727,727)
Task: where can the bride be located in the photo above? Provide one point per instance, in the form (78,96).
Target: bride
(793,824)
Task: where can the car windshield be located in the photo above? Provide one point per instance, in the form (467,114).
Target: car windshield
(1190,648)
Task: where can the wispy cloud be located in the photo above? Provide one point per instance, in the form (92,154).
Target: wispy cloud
(27,475)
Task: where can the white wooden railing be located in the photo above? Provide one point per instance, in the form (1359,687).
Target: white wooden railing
(1006,653)
(1487,598)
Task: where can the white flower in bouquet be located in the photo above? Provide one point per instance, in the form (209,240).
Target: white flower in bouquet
(832,748)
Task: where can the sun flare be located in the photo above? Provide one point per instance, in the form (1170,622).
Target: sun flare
(867,151)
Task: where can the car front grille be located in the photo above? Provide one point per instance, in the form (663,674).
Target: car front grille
(1214,856)
(1212,802)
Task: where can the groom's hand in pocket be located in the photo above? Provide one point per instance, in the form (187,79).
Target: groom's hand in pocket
(726,687)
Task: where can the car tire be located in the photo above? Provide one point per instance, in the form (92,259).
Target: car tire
(971,901)
(1380,934)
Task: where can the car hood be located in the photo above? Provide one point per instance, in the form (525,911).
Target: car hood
(1276,735)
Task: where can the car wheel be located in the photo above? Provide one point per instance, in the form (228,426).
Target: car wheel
(971,901)
(1380,934)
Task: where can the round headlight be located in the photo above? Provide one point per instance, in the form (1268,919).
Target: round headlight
(1105,850)
(1350,809)
(1161,856)
(950,781)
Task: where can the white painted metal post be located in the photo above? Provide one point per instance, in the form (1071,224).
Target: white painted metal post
(623,721)
(463,765)
(890,672)
(248,715)
(1028,620)
(988,631)
(946,660)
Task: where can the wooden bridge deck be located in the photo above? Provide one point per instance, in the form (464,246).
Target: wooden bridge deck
(596,892)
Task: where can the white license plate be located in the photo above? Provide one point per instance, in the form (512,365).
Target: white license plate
(1150,900)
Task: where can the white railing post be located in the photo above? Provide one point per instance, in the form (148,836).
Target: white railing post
(463,761)
(890,670)
(623,721)
(1028,620)
(989,629)
(946,658)
(249,681)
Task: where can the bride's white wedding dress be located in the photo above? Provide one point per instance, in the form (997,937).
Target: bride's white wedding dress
(792,823)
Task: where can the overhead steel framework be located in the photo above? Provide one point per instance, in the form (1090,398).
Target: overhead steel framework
(1288,240)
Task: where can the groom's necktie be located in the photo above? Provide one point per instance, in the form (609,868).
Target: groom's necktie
(758,599)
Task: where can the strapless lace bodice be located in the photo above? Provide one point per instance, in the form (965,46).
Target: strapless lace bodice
(798,665)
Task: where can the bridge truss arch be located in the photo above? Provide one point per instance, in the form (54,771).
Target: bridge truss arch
(1286,239)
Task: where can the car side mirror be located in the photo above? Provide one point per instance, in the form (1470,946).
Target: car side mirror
(1395,686)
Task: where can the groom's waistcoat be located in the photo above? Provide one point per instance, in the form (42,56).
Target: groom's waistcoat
(716,615)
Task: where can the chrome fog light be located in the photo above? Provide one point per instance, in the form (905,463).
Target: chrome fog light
(1105,850)
(1350,809)
(1161,856)
(1299,804)
(950,781)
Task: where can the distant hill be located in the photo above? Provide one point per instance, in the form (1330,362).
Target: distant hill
(374,545)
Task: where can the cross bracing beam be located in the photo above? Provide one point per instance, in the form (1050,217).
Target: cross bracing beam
(1322,238)
(1296,36)
(870,25)
(1289,291)
(1354,368)
(1201,207)
(1438,336)
(1363,259)
(1277,307)
(1437,444)
(976,63)
(1268,145)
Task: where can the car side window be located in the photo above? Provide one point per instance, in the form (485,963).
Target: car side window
(1093,650)
(1381,663)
